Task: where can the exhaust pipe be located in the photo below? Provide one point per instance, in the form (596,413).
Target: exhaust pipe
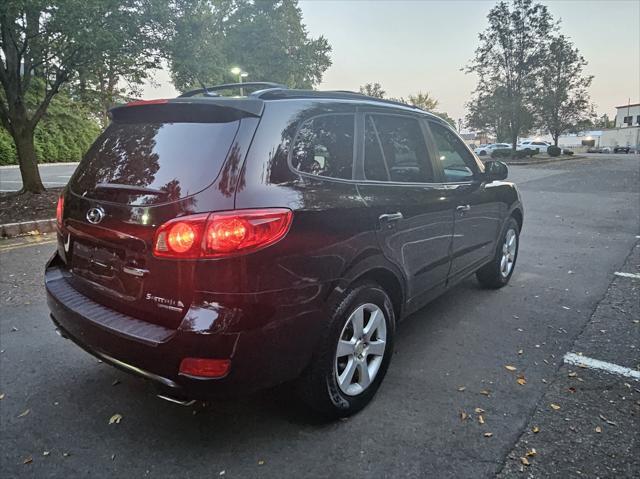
(175,400)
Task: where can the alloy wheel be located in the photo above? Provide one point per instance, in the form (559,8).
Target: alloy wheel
(360,349)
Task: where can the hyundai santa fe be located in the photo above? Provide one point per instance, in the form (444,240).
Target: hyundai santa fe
(217,245)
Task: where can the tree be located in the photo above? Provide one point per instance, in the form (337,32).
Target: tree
(423,100)
(508,63)
(265,38)
(47,45)
(373,90)
(563,98)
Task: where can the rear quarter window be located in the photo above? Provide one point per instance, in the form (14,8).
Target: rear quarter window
(171,160)
(323,146)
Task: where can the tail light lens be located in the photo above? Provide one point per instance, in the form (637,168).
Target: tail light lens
(221,234)
(60,210)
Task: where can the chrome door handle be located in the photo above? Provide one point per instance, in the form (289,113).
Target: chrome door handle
(388,217)
(463,208)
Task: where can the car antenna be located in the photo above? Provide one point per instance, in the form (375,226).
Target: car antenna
(204,88)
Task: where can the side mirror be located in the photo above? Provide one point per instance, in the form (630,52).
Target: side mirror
(495,170)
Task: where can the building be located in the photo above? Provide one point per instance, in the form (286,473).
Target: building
(628,115)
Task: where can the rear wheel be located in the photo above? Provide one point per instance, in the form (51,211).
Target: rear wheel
(498,273)
(354,355)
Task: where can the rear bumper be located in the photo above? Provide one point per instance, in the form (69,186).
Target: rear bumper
(263,353)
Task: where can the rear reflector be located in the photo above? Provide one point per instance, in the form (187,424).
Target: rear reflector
(221,234)
(60,210)
(205,368)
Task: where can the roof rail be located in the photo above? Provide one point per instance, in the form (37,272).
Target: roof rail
(209,91)
(274,93)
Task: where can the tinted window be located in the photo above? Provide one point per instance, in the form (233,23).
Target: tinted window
(401,153)
(170,160)
(324,146)
(454,156)
(375,167)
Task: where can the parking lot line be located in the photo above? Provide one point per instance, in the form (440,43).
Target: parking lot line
(627,275)
(14,246)
(590,363)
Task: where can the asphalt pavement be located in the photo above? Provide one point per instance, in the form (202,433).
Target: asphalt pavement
(581,225)
(52,175)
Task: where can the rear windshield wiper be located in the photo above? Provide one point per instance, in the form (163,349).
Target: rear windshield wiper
(131,188)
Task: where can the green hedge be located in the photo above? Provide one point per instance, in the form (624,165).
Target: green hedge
(553,151)
(64,134)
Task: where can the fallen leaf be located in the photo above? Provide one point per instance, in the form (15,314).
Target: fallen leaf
(488,434)
(571,389)
(480,419)
(66,454)
(479,410)
(24,413)
(463,416)
(535,429)
(521,380)
(46,453)
(28,460)
(598,429)
(461,388)
(555,407)
(573,374)
(113,456)
(525,461)
(485,392)
(14,329)
(115,419)
(511,368)
(531,452)
(260,462)
(1,396)
(222,473)
(520,351)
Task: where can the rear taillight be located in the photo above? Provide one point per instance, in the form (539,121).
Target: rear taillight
(60,210)
(213,235)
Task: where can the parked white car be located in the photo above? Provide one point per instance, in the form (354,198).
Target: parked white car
(488,149)
(541,146)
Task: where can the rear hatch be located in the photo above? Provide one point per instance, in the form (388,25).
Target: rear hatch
(155,162)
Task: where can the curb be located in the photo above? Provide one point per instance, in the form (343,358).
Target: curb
(67,163)
(546,160)
(11,230)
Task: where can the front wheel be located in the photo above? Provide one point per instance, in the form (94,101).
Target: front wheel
(498,273)
(354,355)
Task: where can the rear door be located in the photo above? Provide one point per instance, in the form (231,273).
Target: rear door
(478,211)
(413,218)
(151,164)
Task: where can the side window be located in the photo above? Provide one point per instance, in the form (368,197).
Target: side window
(455,158)
(400,154)
(324,146)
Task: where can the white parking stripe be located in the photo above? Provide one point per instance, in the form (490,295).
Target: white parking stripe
(627,275)
(590,363)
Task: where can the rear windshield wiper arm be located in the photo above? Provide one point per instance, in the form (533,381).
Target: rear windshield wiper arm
(132,188)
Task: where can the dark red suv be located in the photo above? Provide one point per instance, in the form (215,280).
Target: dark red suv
(217,245)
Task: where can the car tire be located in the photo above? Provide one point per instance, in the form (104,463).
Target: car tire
(498,272)
(482,153)
(325,385)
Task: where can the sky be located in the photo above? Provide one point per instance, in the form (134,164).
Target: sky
(422,45)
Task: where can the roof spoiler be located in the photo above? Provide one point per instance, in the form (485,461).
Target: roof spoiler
(189,109)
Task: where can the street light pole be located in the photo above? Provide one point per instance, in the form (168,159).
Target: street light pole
(241,74)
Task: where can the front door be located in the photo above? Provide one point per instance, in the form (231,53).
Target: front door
(477,209)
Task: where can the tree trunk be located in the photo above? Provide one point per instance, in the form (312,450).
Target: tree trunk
(28,162)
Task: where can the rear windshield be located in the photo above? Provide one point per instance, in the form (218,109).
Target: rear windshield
(150,163)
